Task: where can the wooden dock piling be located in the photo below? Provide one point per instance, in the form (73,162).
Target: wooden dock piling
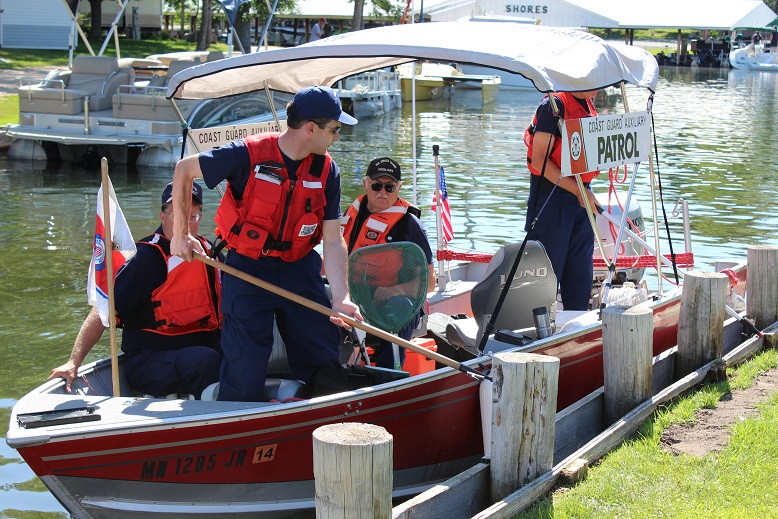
(352,466)
(524,398)
(762,285)
(701,320)
(627,337)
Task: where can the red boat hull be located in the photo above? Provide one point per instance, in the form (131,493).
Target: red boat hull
(257,459)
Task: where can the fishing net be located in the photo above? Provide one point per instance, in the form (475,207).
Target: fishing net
(389,283)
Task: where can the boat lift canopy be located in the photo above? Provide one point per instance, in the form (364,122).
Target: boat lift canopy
(554,59)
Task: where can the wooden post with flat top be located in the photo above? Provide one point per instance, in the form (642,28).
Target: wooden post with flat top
(352,468)
(524,398)
(762,285)
(627,344)
(701,321)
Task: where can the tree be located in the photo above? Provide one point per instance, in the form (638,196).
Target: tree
(204,34)
(391,8)
(96,10)
(181,6)
(356,21)
(256,8)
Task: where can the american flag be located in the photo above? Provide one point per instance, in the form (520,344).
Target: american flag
(445,214)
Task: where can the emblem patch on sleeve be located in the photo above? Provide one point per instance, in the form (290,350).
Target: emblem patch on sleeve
(308,230)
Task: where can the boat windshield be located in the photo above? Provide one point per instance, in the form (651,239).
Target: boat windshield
(229,110)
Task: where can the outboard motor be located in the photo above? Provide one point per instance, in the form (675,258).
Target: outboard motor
(609,233)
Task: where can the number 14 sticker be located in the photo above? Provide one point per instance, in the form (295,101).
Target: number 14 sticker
(264,453)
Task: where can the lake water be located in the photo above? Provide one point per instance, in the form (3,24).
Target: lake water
(717,143)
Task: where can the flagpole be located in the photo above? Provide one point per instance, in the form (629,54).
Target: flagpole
(109,265)
(438,219)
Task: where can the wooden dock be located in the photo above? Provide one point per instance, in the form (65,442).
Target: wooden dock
(524,400)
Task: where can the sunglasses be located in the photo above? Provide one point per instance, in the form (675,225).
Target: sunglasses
(334,129)
(377,186)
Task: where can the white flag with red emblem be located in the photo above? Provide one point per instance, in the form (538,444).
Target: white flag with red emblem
(121,244)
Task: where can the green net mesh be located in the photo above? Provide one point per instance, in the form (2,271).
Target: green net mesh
(389,283)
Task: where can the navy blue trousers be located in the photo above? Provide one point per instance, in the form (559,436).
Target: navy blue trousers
(564,230)
(186,370)
(247,336)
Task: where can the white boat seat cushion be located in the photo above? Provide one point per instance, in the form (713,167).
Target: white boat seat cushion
(150,103)
(463,333)
(98,77)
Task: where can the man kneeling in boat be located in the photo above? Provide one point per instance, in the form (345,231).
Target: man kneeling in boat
(169,310)
(381,216)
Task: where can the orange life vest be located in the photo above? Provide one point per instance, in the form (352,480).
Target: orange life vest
(276,216)
(188,300)
(380,270)
(573,110)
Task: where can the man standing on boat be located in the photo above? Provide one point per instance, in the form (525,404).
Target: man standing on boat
(556,214)
(283,197)
(170,347)
(381,216)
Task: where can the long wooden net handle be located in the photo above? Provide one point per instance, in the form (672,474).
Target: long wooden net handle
(332,313)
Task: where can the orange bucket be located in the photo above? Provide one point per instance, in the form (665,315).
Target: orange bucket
(416,363)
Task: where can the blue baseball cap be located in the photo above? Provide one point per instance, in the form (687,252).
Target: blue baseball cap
(318,102)
(197,193)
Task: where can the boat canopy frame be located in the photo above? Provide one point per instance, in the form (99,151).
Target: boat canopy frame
(553,59)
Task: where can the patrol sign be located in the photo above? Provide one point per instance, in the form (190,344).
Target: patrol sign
(605,141)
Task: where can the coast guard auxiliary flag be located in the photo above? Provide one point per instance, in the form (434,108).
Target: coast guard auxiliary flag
(123,249)
(445,213)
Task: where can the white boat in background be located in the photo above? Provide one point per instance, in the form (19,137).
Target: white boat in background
(754,57)
(370,94)
(434,80)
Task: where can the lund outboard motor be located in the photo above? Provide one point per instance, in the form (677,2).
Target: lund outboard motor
(609,233)
(534,285)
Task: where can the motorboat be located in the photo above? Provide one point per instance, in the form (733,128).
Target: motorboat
(754,57)
(370,94)
(429,80)
(106,455)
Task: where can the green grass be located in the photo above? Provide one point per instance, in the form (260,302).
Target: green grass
(9,109)
(30,58)
(640,480)
(24,58)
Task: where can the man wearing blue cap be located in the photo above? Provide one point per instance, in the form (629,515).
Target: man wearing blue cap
(282,199)
(169,311)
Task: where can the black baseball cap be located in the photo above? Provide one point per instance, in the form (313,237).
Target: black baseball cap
(384,167)
(197,193)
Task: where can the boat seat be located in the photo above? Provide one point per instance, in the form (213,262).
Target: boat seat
(533,286)
(149,102)
(214,55)
(278,384)
(63,92)
(279,389)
